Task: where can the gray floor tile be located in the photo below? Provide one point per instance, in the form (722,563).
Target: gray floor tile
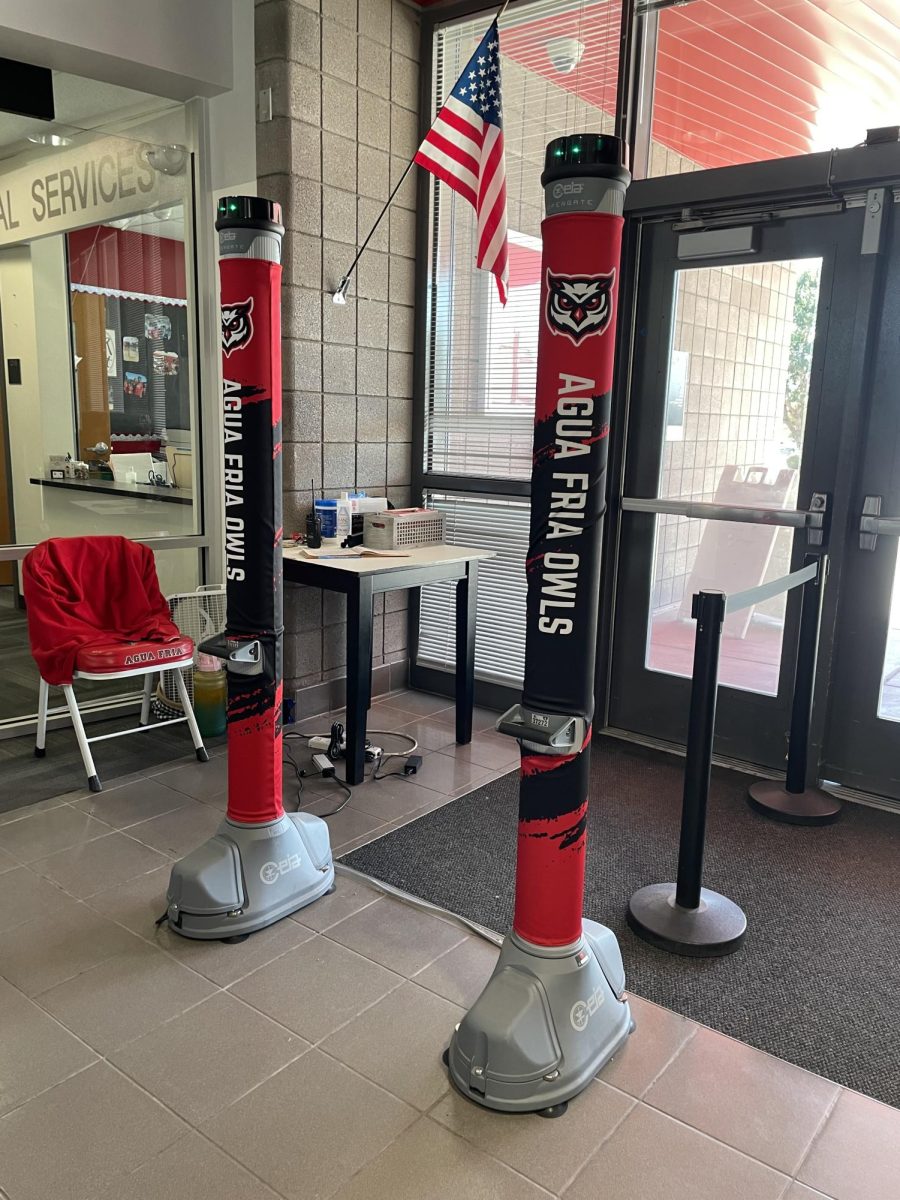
(125,997)
(767,1108)
(103,1126)
(490,750)
(659,1035)
(398,936)
(857,1154)
(653,1157)
(551,1153)
(35,1051)
(225,964)
(7,862)
(391,798)
(202,1061)
(137,902)
(25,896)
(447,774)
(461,974)
(429,1161)
(85,870)
(419,704)
(125,805)
(316,988)
(311,1127)
(40,834)
(191,1169)
(199,780)
(18,814)
(178,833)
(349,896)
(432,733)
(345,826)
(398,1043)
(799,1191)
(50,949)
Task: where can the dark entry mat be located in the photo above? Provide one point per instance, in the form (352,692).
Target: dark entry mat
(25,779)
(817,981)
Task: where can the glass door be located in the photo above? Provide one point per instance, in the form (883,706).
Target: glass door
(739,403)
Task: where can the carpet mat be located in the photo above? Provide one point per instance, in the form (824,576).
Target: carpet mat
(817,981)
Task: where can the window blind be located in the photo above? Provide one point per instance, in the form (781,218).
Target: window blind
(481,357)
(501,526)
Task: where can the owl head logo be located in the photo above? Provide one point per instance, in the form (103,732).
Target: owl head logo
(579,305)
(237,325)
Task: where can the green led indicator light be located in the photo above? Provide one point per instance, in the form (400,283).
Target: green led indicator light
(558,151)
(576,149)
(232,207)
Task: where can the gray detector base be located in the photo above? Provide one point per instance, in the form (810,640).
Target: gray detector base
(547,1021)
(248,876)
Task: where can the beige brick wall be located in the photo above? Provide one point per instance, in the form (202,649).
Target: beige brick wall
(344,76)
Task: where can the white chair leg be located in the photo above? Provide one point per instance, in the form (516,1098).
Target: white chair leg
(202,754)
(93,779)
(145,702)
(43,704)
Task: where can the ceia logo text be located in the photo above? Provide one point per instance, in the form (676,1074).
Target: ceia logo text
(583,1010)
(271,871)
(569,188)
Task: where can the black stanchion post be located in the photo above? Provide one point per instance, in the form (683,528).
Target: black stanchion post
(685,917)
(709,612)
(792,801)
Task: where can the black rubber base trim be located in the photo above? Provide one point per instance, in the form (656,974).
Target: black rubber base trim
(94,783)
(202,754)
(40,752)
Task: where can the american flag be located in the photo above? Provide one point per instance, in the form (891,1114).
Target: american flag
(464,149)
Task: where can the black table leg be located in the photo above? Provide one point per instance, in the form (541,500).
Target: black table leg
(359,666)
(466,600)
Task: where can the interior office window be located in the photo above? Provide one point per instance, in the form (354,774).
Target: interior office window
(559,67)
(757,81)
(129,319)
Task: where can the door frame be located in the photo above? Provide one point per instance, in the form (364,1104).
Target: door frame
(738,195)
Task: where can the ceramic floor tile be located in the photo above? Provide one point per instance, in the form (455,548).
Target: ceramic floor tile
(398,1043)
(137,902)
(550,1153)
(35,1051)
(460,975)
(316,988)
(432,733)
(429,1163)
(18,814)
(44,952)
(653,1157)
(311,1127)
(25,896)
(447,774)
(193,1169)
(125,997)
(659,1035)
(7,862)
(103,1126)
(398,936)
(391,798)
(196,779)
(224,964)
(132,802)
(767,1108)
(345,826)
(44,833)
(202,1061)
(178,833)
(85,870)
(349,896)
(799,1191)
(857,1154)
(484,719)
(490,750)
(419,704)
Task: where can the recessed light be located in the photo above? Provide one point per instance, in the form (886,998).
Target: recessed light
(49,139)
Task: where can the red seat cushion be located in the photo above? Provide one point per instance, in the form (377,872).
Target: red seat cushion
(111,657)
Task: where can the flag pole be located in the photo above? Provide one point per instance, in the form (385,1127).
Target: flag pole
(340,296)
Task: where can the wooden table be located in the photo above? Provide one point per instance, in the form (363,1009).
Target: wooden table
(360,580)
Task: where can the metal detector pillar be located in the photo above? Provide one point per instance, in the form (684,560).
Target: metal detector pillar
(554,1010)
(262,863)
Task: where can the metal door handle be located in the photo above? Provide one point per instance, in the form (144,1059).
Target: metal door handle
(871,523)
(813,521)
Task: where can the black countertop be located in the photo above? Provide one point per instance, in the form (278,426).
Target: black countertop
(109,487)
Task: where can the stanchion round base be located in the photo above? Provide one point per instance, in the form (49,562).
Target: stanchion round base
(812,806)
(717,927)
